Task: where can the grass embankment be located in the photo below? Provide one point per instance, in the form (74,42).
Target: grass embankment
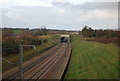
(14,57)
(92,60)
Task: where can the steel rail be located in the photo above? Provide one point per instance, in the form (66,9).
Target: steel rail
(13,76)
(48,64)
(38,65)
(60,55)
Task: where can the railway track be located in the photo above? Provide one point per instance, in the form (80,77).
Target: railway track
(38,68)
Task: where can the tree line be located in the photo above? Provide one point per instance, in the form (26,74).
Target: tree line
(100,35)
(89,32)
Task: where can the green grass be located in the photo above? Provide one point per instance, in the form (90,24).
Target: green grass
(17,31)
(92,60)
(14,57)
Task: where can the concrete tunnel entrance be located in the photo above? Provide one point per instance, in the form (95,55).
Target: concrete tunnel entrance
(64,38)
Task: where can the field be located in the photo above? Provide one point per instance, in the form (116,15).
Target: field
(17,31)
(92,60)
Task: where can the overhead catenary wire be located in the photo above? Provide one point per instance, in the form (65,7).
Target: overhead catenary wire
(8,61)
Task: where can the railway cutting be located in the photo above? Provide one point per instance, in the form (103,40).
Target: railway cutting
(51,65)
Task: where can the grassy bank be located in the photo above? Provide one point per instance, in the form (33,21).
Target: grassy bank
(92,60)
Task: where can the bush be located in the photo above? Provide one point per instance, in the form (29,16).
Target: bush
(9,48)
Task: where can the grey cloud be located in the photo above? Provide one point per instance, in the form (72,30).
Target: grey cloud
(88,5)
(54,17)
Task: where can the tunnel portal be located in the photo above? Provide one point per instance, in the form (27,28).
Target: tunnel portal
(64,38)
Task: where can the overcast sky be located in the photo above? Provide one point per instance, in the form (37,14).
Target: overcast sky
(60,14)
